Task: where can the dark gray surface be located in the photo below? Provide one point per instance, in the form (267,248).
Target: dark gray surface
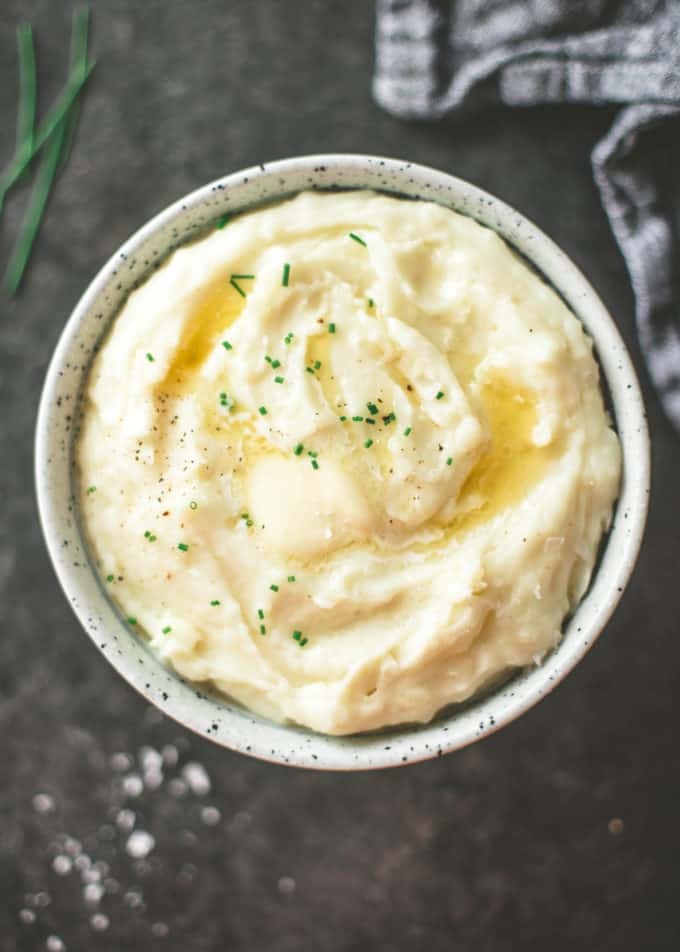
(504,846)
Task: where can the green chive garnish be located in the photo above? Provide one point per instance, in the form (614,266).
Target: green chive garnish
(357,239)
(227,345)
(343,419)
(279,379)
(440,394)
(312,453)
(235,278)
(358,419)
(297,635)
(315,465)
(291,578)
(276,363)
(317,365)
(183,547)
(309,370)
(372,408)
(132,621)
(91,489)
(274,588)
(215,601)
(303,642)
(371,302)
(288,338)
(286,275)
(150,536)
(221,222)
(369,420)
(368,444)
(150,358)
(449,461)
(193,504)
(167,630)
(260,614)
(407,431)
(331,328)
(262,411)
(298,449)
(109,578)
(390,418)
(263,630)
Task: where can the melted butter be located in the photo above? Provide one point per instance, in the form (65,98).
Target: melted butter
(512,464)
(217,307)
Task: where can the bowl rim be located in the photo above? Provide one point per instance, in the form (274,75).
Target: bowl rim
(289,744)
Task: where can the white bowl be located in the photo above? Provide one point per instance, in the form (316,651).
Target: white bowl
(216,718)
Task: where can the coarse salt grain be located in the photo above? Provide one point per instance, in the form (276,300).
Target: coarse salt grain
(62,865)
(286,885)
(99,922)
(159,929)
(125,820)
(43,803)
(93,893)
(121,761)
(139,844)
(27,916)
(54,944)
(132,785)
(211,816)
(196,776)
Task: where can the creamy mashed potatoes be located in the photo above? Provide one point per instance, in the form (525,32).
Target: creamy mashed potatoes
(347,459)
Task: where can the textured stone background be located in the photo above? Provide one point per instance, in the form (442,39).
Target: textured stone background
(507,845)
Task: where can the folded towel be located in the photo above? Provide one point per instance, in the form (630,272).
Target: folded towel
(434,57)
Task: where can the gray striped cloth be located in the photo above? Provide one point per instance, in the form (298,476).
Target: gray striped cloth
(434,57)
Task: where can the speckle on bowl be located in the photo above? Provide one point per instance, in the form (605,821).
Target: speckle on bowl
(57,427)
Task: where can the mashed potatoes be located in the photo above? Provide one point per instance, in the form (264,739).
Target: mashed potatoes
(347,459)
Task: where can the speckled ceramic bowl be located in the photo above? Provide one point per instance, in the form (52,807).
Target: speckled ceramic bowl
(215,718)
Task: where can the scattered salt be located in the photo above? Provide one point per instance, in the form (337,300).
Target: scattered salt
(93,893)
(27,916)
(196,776)
(54,944)
(82,862)
(615,826)
(132,785)
(125,820)
(286,886)
(170,755)
(159,929)
(133,898)
(211,816)
(177,787)
(43,803)
(99,922)
(72,847)
(121,762)
(62,865)
(139,844)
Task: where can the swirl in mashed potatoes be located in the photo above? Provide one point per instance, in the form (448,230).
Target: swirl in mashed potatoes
(348,460)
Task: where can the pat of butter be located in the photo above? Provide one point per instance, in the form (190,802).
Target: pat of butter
(303,512)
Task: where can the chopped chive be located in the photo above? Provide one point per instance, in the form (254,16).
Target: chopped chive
(245,515)
(150,536)
(215,601)
(276,363)
(221,222)
(312,453)
(297,635)
(390,418)
(268,358)
(263,630)
(166,630)
(27,87)
(372,408)
(369,420)
(109,578)
(286,275)
(227,345)
(331,328)
(371,302)
(249,522)
(288,338)
(368,444)
(303,642)
(132,621)
(243,277)
(298,449)
(440,394)
(150,358)
(449,461)
(193,504)
(237,287)
(291,578)
(358,419)
(315,465)
(357,239)
(183,547)
(274,588)
(310,370)
(279,379)
(343,419)
(260,614)
(317,365)
(262,411)
(91,489)
(408,431)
